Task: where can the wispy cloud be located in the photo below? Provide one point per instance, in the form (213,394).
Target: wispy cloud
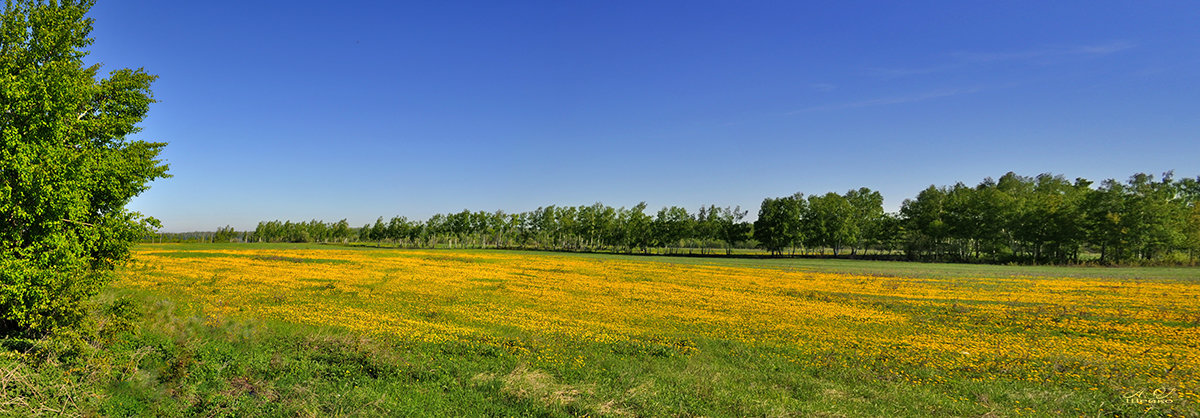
(884,101)
(1044,54)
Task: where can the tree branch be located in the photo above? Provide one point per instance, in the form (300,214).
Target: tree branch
(79,223)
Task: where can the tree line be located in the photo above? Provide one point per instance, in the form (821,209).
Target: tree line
(1042,219)
(1048,219)
(596,227)
(1018,219)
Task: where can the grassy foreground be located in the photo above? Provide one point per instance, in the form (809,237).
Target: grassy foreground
(306,330)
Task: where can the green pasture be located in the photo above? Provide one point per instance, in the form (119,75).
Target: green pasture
(151,354)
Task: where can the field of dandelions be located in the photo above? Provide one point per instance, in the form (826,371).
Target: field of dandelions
(1008,344)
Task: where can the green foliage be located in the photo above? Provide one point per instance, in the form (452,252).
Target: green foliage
(225,234)
(672,225)
(867,216)
(1047,219)
(66,167)
(778,226)
(830,222)
(595,227)
(1016,219)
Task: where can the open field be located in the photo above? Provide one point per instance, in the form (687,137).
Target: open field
(919,269)
(328,330)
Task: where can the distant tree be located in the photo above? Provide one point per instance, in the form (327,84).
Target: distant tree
(732,228)
(591,223)
(400,231)
(602,226)
(566,228)
(543,226)
(378,230)
(889,234)
(962,216)
(68,169)
(671,225)
(341,231)
(1191,232)
(992,212)
(778,225)
(225,234)
(1155,215)
(616,232)
(867,212)
(317,231)
(1102,216)
(830,222)
(637,228)
(1189,200)
(514,229)
(923,218)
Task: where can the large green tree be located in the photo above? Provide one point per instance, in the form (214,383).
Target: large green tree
(867,215)
(830,223)
(779,223)
(67,169)
(923,218)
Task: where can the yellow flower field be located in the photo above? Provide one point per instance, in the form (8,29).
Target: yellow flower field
(1087,334)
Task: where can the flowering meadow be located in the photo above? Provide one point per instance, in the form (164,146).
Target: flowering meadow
(636,336)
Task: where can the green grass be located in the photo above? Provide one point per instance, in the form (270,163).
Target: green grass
(849,266)
(904,268)
(176,361)
(148,354)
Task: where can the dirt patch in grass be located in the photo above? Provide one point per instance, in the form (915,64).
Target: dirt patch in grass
(239,386)
(532,384)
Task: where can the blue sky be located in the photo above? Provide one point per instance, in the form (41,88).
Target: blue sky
(328,110)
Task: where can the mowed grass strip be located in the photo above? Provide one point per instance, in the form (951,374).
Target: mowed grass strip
(611,335)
